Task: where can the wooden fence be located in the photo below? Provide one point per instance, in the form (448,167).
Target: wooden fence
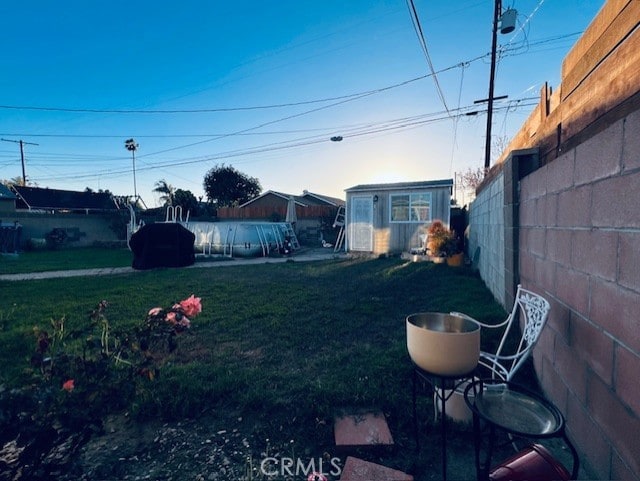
(276,212)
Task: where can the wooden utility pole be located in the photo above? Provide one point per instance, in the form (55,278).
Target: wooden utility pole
(22,144)
(494,45)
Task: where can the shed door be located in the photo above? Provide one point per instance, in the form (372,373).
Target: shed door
(361,223)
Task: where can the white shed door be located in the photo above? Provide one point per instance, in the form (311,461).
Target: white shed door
(361,225)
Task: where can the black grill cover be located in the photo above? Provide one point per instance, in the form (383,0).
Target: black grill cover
(162,245)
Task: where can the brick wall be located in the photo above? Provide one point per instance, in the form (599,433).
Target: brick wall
(579,247)
(576,238)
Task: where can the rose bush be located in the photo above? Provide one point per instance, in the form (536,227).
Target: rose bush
(81,375)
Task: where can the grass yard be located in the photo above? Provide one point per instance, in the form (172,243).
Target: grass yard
(64,259)
(288,345)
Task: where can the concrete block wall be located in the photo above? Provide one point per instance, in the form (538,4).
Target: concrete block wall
(580,248)
(486,236)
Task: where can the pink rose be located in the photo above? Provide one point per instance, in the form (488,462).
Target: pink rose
(155,311)
(68,385)
(191,306)
(171,318)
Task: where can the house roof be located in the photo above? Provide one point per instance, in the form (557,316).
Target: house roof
(324,199)
(305,200)
(426,184)
(5,193)
(53,199)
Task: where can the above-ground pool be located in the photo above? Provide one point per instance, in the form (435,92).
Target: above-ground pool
(239,239)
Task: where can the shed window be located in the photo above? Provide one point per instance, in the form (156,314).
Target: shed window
(410,207)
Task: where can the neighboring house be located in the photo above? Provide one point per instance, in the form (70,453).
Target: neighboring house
(53,200)
(7,200)
(315,213)
(274,199)
(390,218)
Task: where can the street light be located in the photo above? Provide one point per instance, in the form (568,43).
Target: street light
(132,146)
(507,25)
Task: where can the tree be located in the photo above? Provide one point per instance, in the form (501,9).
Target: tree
(227,187)
(186,200)
(471,178)
(166,190)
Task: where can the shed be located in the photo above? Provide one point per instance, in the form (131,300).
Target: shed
(390,218)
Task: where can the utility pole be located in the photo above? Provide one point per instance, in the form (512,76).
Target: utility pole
(492,75)
(507,26)
(131,145)
(22,144)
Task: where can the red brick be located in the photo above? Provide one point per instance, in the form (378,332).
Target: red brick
(574,207)
(553,386)
(588,438)
(626,378)
(545,347)
(629,261)
(631,146)
(560,172)
(571,369)
(356,469)
(615,309)
(535,241)
(621,471)
(600,156)
(528,213)
(559,318)
(546,273)
(362,430)
(550,218)
(559,246)
(615,202)
(595,252)
(619,426)
(527,265)
(594,347)
(534,185)
(572,288)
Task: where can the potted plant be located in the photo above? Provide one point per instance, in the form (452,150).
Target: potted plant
(443,245)
(453,251)
(438,235)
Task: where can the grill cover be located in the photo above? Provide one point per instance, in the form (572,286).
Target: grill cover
(162,245)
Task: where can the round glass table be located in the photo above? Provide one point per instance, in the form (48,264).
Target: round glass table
(513,409)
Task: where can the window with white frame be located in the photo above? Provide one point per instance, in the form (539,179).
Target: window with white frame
(410,207)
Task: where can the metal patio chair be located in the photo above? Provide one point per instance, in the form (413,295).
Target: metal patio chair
(530,312)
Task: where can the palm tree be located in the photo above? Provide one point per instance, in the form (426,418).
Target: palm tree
(166,190)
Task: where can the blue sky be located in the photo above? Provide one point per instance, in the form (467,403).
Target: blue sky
(263,86)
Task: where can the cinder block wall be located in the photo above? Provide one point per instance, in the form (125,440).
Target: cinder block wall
(486,237)
(580,248)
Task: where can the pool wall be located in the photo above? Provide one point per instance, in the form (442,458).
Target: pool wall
(239,239)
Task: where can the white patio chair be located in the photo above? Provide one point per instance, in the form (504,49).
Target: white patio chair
(531,311)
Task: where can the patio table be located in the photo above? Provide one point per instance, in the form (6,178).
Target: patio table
(516,411)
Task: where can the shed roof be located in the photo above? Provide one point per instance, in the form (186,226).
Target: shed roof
(426,184)
(54,199)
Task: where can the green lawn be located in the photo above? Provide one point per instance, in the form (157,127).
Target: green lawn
(64,259)
(292,343)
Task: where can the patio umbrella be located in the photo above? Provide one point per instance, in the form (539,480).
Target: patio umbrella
(291,211)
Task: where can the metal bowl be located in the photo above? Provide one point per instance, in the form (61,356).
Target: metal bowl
(443,344)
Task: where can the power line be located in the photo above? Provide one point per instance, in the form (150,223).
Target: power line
(423,43)
(400,124)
